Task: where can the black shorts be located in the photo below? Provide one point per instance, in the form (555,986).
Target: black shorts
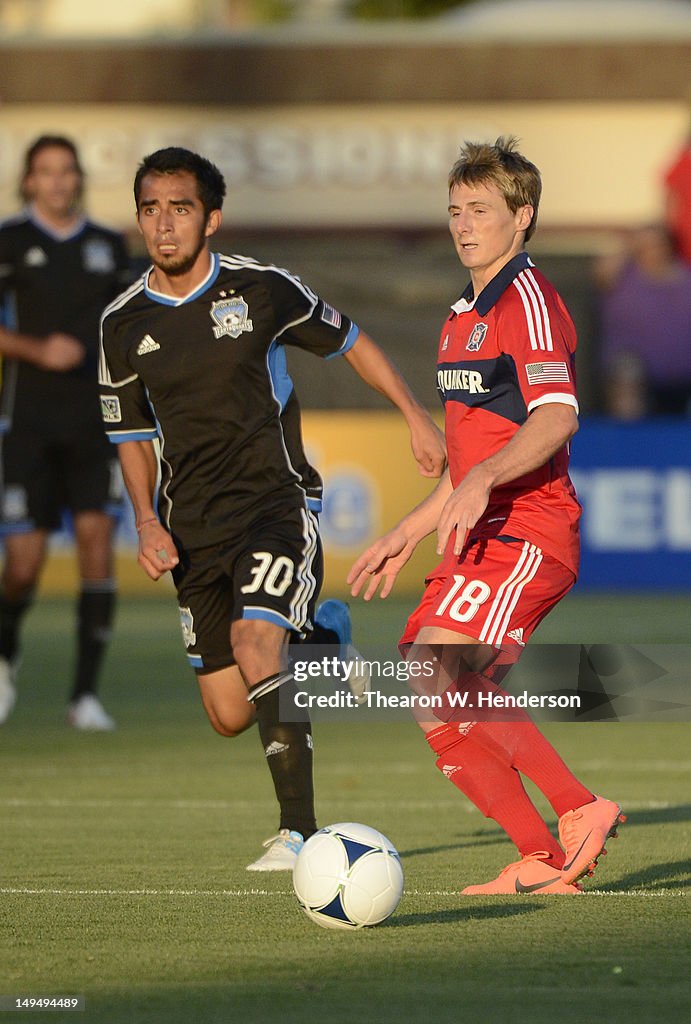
(273,572)
(43,476)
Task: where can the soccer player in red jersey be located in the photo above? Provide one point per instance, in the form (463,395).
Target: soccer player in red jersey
(506,516)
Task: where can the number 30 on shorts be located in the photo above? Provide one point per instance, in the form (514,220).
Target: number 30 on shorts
(272,575)
(466,598)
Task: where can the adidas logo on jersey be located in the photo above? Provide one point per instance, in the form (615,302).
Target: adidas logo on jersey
(147,344)
(450,770)
(517,635)
(276,748)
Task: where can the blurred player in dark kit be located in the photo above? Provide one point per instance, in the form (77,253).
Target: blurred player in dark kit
(58,270)
(194,358)
(506,517)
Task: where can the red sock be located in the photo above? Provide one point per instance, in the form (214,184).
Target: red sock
(512,737)
(496,790)
(522,746)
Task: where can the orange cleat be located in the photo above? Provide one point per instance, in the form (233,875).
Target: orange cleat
(583,833)
(529,875)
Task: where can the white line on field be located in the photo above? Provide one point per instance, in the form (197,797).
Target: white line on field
(212,805)
(243,893)
(229,805)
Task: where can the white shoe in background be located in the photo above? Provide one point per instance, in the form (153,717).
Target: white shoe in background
(89,715)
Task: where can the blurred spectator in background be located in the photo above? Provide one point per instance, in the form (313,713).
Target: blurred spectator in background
(677,183)
(58,270)
(645,323)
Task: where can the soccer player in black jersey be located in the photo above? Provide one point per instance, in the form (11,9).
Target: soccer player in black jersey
(57,272)
(193,357)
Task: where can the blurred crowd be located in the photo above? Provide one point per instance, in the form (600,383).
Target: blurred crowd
(645,310)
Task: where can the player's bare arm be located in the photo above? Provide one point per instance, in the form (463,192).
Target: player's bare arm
(384,559)
(376,369)
(56,352)
(157,551)
(545,432)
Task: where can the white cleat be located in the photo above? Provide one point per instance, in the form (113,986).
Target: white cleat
(359,679)
(8,693)
(281,854)
(88,714)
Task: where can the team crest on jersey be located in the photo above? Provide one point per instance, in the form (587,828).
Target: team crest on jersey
(477,337)
(187,623)
(110,409)
(98,256)
(230,317)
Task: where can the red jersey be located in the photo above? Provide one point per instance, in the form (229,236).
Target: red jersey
(502,354)
(678,182)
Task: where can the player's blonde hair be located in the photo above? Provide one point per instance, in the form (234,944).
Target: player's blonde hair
(500,164)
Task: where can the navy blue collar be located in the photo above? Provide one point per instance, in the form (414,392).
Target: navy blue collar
(492,292)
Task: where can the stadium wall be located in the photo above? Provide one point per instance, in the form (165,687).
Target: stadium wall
(357,129)
(634,481)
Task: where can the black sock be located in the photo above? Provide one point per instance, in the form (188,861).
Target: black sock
(288,750)
(95,611)
(11,615)
(320,636)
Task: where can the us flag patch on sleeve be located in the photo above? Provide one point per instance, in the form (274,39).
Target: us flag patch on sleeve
(330,315)
(547,373)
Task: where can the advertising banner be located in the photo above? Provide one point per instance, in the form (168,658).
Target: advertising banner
(633,480)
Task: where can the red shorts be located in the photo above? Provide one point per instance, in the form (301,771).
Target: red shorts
(495,591)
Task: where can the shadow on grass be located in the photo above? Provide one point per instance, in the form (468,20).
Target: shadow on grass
(491,837)
(673,875)
(658,815)
(476,912)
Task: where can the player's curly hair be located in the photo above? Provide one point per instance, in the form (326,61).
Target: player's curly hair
(49,142)
(500,164)
(211,186)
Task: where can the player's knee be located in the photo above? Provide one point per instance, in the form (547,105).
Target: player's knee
(256,648)
(231,723)
(19,580)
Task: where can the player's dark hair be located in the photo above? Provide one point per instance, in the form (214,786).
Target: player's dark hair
(500,164)
(211,186)
(49,142)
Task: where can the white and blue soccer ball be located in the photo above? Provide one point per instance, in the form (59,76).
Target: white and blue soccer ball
(348,876)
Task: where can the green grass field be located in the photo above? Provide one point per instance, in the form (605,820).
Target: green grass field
(123,855)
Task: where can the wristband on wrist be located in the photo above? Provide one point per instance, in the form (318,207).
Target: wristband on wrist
(145,522)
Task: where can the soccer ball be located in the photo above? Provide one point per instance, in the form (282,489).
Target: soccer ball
(348,876)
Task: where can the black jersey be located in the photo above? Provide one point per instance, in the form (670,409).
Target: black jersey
(54,283)
(207,375)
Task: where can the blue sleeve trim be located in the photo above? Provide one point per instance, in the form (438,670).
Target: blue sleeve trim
(350,340)
(118,436)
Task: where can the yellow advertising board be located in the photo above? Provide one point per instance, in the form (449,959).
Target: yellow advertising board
(370,481)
